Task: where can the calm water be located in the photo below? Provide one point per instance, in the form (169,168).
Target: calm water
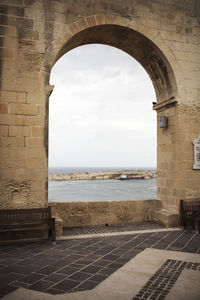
(99,190)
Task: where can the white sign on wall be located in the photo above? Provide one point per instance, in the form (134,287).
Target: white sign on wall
(196,144)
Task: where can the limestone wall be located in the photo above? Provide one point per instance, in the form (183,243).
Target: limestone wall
(163,35)
(104,212)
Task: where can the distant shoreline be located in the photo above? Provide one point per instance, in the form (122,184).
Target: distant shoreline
(104,175)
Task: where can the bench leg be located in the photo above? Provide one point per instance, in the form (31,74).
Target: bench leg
(196,222)
(183,220)
(52,230)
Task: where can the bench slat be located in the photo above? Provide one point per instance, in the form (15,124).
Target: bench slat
(24,229)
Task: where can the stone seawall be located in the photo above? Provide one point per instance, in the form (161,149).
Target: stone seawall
(74,214)
(131,174)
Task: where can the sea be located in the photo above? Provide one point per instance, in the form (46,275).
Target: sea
(99,190)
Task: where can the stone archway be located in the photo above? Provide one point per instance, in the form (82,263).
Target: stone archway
(162,35)
(136,45)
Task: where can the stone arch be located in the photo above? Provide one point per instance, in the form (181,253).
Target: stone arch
(136,44)
(148,48)
(162,35)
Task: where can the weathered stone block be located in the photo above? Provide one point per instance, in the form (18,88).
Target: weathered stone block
(34,120)
(12,141)
(3,108)
(20,120)
(35,153)
(77,208)
(21,97)
(59,226)
(8,96)
(91,21)
(99,207)
(11,10)
(19,131)
(4,20)
(165,217)
(35,98)
(27,34)
(37,131)
(34,142)
(3,130)
(34,163)
(29,109)
(24,23)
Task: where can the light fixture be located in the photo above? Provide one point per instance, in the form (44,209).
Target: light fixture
(163,122)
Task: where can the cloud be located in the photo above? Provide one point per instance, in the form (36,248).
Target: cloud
(101,110)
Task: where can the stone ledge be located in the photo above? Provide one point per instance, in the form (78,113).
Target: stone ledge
(79,214)
(165,217)
(165,104)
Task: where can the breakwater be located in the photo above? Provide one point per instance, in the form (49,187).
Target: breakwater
(105,175)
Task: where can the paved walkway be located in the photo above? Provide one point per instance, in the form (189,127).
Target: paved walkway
(90,267)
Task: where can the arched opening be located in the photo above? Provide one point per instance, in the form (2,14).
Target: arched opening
(145,52)
(101,118)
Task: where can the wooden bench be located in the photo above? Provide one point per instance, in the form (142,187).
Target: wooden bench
(27,223)
(190,213)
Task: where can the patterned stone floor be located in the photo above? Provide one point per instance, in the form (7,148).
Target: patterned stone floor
(80,264)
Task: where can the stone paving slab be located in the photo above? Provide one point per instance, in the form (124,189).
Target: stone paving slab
(139,278)
(186,287)
(78,265)
(130,282)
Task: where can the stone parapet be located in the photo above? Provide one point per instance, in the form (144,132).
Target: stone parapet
(75,214)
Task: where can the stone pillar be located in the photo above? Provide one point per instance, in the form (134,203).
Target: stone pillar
(23,110)
(166,152)
(176,177)
(187,180)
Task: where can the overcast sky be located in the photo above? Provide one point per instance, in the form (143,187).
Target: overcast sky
(101,110)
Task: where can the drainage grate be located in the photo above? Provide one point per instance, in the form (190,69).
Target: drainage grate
(109,228)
